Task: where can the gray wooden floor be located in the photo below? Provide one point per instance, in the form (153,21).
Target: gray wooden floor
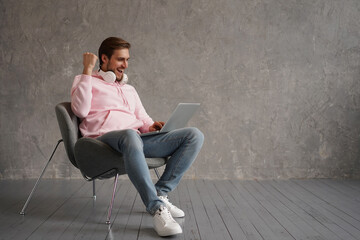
(291,209)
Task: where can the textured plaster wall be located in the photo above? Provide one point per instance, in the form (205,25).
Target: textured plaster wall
(278,79)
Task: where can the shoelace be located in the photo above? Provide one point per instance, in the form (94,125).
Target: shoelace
(165,213)
(168,202)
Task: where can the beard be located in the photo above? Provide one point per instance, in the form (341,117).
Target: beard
(114,71)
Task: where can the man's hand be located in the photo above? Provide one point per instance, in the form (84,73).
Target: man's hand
(89,61)
(156,126)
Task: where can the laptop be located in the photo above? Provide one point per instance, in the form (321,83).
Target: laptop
(179,118)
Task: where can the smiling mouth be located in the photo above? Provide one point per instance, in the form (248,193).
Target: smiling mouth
(120,70)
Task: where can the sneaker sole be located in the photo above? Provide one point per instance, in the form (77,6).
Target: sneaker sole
(168,233)
(177,216)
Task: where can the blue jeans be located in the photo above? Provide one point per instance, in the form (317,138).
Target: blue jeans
(183,145)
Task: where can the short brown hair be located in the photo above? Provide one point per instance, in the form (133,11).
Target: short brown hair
(110,44)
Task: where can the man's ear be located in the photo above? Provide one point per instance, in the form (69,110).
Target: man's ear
(104,59)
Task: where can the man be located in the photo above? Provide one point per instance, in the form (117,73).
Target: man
(111,111)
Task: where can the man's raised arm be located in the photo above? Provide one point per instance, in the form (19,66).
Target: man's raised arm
(81,94)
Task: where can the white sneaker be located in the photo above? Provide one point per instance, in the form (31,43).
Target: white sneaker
(175,211)
(164,224)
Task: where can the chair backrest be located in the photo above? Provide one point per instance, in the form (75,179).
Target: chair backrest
(68,123)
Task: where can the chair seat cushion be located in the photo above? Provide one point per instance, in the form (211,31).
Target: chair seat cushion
(95,158)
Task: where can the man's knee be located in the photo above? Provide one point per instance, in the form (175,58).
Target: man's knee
(129,133)
(194,134)
(131,136)
(128,139)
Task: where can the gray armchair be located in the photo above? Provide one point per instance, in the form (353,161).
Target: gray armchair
(94,159)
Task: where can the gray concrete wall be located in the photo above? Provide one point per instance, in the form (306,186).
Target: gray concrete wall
(278,79)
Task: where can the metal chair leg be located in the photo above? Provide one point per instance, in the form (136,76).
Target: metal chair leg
(112,199)
(94,194)
(37,182)
(157,173)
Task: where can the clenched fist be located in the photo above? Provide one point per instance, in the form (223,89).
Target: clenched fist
(89,61)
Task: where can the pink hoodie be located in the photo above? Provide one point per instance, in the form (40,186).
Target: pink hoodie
(103,107)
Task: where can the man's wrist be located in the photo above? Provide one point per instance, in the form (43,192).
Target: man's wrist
(87,71)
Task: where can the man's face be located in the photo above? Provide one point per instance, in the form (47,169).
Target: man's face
(117,63)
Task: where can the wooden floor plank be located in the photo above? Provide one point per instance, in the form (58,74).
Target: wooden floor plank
(355,184)
(320,216)
(11,221)
(313,209)
(343,229)
(237,210)
(305,230)
(13,198)
(217,223)
(276,210)
(45,202)
(343,188)
(188,223)
(55,225)
(284,197)
(17,192)
(202,219)
(333,197)
(278,230)
(134,223)
(85,213)
(224,212)
(248,211)
(347,223)
(335,192)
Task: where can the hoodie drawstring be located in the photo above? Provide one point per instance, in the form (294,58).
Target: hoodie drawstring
(123,96)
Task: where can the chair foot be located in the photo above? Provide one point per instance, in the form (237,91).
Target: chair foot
(94,192)
(107,222)
(22,213)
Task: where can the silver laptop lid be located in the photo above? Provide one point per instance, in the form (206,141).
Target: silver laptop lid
(180,117)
